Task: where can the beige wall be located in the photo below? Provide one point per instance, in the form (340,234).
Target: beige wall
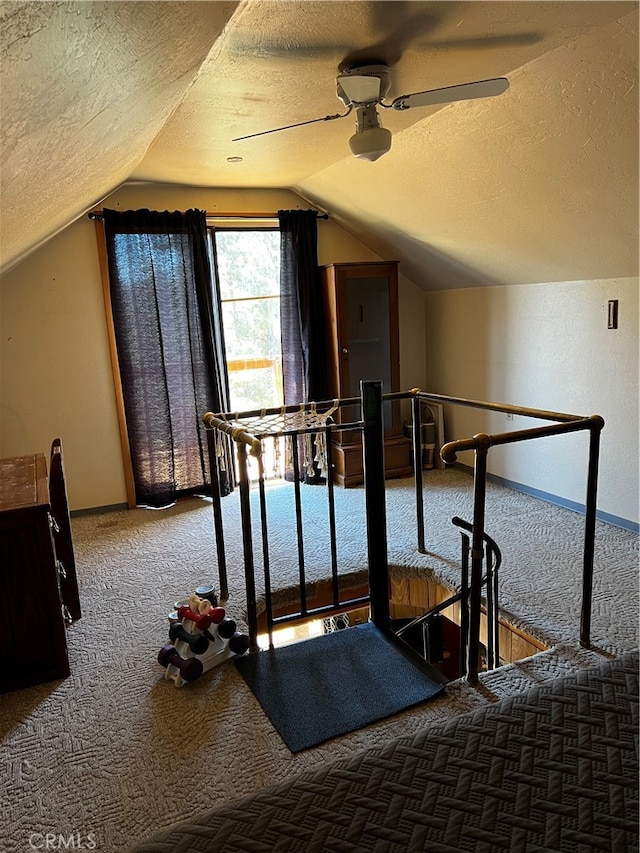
(545,346)
(56,375)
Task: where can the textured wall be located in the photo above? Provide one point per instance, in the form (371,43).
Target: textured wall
(545,346)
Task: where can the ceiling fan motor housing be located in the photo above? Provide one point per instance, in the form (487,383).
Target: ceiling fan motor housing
(363,84)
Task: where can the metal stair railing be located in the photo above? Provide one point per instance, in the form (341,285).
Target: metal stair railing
(373,458)
(372,431)
(490,580)
(480,444)
(224,422)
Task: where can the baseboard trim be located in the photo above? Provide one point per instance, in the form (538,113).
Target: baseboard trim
(615,520)
(97,510)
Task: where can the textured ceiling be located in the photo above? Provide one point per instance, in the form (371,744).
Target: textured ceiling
(85,88)
(535,185)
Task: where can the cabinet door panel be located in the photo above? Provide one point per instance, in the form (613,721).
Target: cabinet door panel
(361,313)
(368,338)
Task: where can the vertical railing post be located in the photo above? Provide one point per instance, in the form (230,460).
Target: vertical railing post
(335,581)
(223,591)
(247,545)
(373,458)
(590,529)
(482,444)
(493,618)
(491,610)
(299,533)
(464,601)
(265,552)
(417,470)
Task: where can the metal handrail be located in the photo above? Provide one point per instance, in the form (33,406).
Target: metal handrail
(339,403)
(237,434)
(246,442)
(450,450)
(494,561)
(480,444)
(490,579)
(542,414)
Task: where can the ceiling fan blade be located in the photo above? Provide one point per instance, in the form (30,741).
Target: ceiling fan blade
(464,92)
(289,126)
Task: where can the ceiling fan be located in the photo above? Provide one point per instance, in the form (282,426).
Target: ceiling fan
(363,89)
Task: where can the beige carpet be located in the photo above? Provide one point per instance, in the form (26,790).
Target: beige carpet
(114,752)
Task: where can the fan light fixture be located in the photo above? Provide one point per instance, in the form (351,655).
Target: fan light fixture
(371,140)
(370,144)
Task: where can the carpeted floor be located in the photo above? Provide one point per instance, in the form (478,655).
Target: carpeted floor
(114,752)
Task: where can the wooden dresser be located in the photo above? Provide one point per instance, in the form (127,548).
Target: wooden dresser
(33,610)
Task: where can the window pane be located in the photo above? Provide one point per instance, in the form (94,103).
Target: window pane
(249,276)
(252,329)
(248,263)
(254,389)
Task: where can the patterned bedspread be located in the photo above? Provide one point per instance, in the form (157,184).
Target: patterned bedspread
(554,769)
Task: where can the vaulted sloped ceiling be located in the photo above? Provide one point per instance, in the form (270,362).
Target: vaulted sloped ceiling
(539,184)
(84,89)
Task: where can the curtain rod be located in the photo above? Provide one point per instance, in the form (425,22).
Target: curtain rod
(97,214)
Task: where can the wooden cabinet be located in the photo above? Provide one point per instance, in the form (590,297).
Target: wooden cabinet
(33,611)
(361,310)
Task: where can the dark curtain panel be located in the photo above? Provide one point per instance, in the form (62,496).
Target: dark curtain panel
(304,371)
(166,314)
(301,309)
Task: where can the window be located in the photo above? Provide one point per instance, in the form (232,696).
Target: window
(191,364)
(249,280)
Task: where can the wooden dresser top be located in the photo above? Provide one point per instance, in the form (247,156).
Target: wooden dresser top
(23,482)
